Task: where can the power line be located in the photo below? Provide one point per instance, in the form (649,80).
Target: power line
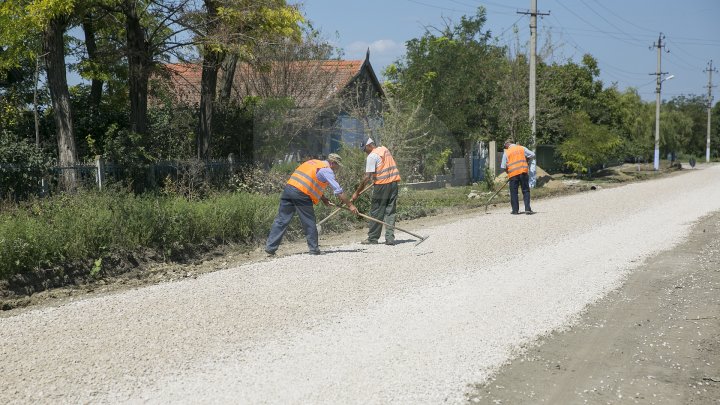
(684,51)
(620,17)
(436,6)
(604,19)
(591,24)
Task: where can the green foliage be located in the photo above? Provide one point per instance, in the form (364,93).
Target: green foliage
(97,267)
(488,178)
(564,89)
(271,128)
(22,166)
(233,131)
(256,180)
(588,144)
(438,164)
(452,73)
(84,226)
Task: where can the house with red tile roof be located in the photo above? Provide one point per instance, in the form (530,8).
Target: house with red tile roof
(334,102)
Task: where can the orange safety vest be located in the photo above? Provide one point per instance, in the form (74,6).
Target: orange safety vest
(305,179)
(516,161)
(386,172)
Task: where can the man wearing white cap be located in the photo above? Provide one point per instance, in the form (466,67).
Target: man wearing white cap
(380,169)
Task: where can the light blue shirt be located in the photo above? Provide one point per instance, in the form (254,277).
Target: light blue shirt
(528,155)
(326,175)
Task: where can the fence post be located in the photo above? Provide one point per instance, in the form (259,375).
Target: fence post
(232,160)
(100,165)
(492,157)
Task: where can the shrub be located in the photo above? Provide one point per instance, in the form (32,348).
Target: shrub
(88,225)
(22,167)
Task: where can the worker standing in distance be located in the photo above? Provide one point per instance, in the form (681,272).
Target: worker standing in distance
(303,190)
(380,169)
(515,162)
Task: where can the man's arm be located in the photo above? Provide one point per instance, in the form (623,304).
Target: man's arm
(347,202)
(366,179)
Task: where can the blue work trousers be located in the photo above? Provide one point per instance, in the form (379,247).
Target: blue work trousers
(521,180)
(293,200)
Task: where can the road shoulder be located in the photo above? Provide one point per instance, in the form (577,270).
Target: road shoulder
(654,340)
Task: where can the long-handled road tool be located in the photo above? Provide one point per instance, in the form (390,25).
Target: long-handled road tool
(336,210)
(496,193)
(422,239)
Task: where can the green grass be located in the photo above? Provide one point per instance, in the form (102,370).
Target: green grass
(89,225)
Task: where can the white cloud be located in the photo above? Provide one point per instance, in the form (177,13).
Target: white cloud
(379,47)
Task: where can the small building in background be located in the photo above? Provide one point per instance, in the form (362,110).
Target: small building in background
(302,108)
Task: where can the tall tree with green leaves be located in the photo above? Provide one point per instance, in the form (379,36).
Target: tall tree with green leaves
(587,144)
(230,28)
(564,89)
(454,72)
(35,29)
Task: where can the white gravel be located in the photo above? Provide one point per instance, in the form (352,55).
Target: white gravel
(361,324)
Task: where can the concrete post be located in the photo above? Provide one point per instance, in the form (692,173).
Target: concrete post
(100,167)
(232,161)
(492,159)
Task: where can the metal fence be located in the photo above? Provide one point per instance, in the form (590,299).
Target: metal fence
(101,174)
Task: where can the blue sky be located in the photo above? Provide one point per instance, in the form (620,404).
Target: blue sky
(618,33)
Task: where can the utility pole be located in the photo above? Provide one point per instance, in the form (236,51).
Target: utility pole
(659,45)
(710,71)
(531,92)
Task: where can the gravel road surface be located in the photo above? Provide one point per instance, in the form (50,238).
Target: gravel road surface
(360,324)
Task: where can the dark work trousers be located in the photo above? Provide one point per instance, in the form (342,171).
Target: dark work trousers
(293,200)
(384,203)
(523,181)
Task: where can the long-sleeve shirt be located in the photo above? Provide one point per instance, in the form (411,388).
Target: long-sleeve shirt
(327,175)
(528,155)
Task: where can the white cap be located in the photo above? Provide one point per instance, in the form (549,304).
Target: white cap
(368,142)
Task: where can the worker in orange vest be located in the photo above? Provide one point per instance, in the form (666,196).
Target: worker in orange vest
(382,171)
(303,190)
(515,162)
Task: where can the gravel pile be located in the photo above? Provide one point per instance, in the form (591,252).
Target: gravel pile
(360,324)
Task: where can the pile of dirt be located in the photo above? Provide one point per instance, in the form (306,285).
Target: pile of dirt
(543,179)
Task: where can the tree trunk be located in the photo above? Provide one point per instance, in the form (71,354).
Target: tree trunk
(91,46)
(54,47)
(208,84)
(139,65)
(230,65)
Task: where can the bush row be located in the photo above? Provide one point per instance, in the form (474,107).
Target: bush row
(88,225)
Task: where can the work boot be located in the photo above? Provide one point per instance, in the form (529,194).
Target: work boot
(529,212)
(315,252)
(369,242)
(515,213)
(390,242)
(270,252)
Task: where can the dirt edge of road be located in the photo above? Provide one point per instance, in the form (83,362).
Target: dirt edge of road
(653,340)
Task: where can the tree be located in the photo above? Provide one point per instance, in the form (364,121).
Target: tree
(693,136)
(454,72)
(587,145)
(564,89)
(21,22)
(235,24)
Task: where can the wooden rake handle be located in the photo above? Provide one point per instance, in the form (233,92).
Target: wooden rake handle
(338,208)
(368,217)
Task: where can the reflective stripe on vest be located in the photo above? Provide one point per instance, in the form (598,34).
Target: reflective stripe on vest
(516,161)
(305,179)
(386,172)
